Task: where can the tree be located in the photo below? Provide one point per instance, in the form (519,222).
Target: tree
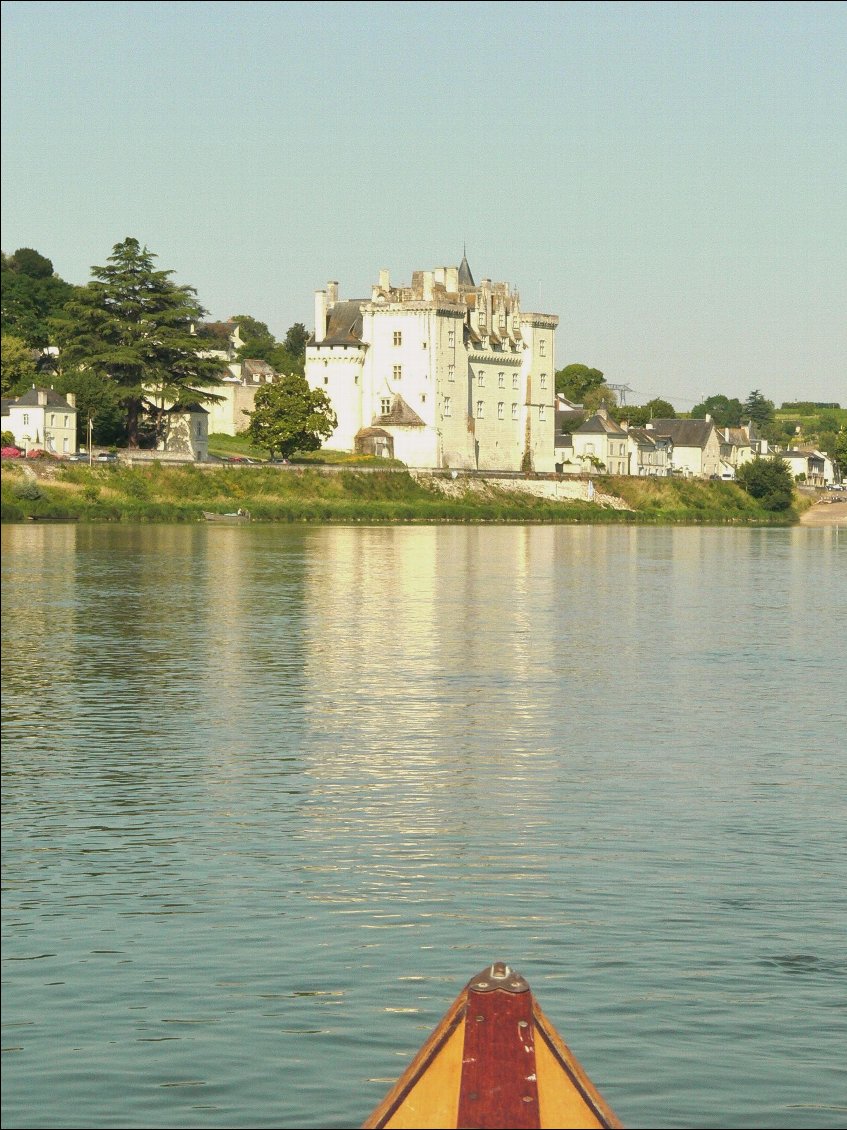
(295,340)
(17,365)
(290,416)
(726,413)
(758,409)
(576,381)
(640,415)
(31,295)
(768,480)
(259,342)
(132,325)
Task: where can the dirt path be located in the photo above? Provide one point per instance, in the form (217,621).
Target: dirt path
(827,512)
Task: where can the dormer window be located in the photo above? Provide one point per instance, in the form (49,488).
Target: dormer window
(385,405)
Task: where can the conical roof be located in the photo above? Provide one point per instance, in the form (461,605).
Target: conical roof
(465,276)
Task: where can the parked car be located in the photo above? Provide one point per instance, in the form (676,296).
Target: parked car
(11,453)
(106,457)
(79,457)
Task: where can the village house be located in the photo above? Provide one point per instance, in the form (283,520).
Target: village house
(809,466)
(42,419)
(696,446)
(443,372)
(649,454)
(599,444)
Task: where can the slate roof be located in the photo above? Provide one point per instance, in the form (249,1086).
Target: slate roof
(400,414)
(684,433)
(465,276)
(602,425)
(345,323)
(54,399)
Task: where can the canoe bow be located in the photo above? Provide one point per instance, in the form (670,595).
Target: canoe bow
(495,1061)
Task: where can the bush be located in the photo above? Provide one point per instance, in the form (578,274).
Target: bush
(769,481)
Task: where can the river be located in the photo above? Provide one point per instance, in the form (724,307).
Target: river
(272,795)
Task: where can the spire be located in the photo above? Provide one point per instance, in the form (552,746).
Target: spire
(465,276)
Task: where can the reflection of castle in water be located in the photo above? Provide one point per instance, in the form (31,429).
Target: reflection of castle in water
(412,630)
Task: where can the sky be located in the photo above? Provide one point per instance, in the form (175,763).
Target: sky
(670,179)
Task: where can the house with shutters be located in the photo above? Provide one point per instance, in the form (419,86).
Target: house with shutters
(42,418)
(440,372)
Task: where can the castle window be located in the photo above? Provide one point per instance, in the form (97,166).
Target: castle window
(514,410)
(542,412)
(451,372)
(398,372)
(515,380)
(385,405)
(52,419)
(480,378)
(480,409)
(451,339)
(501,380)
(544,380)
(26,417)
(542,348)
(398,337)
(448,406)
(500,407)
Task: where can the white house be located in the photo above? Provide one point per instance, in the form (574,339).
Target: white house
(42,418)
(440,373)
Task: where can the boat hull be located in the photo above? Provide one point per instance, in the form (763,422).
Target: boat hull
(495,1060)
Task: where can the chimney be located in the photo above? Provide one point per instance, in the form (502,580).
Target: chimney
(427,286)
(331,294)
(384,280)
(71,399)
(320,316)
(708,418)
(42,396)
(440,275)
(452,280)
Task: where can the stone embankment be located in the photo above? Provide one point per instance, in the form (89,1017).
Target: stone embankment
(553,489)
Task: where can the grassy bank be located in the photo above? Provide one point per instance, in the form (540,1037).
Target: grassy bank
(159,493)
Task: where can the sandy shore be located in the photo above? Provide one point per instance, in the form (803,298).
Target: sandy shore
(827,512)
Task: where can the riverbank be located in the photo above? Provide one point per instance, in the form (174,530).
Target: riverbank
(160,493)
(826,512)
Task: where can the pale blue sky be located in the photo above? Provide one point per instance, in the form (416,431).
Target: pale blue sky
(667,178)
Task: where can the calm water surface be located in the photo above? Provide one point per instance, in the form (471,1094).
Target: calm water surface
(271,796)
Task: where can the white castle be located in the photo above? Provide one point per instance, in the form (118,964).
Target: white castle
(440,373)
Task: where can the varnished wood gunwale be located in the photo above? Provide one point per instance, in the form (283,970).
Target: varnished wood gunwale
(433,1091)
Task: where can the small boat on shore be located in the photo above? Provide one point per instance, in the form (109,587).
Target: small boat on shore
(236,516)
(494,1061)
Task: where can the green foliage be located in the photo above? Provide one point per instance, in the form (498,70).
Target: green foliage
(295,340)
(769,481)
(758,409)
(31,295)
(132,326)
(260,344)
(28,490)
(576,381)
(17,365)
(97,398)
(290,416)
(640,415)
(726,413)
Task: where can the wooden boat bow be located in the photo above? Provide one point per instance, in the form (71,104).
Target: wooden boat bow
(495,1061)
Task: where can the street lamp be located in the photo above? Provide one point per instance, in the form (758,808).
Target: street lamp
(90,434)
